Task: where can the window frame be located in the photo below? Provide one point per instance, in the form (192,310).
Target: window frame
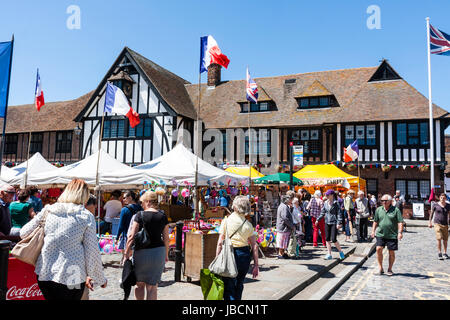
(408,136)
(9,143)
(330,104)
(39,142)
(365,145)
(59,143)
(128,132)
(306,148)
(418,182)
(271,106)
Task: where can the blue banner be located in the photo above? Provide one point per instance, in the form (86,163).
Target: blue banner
(5,64)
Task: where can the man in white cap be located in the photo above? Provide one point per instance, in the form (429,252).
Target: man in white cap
(6,196)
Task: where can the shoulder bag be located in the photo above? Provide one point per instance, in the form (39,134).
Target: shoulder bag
(224,264)
(142,238)
(29,248)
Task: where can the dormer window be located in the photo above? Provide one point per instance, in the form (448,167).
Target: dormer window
(316,102)
(263,106)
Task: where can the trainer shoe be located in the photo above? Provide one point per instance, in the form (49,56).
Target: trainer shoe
(446,256)
(328,257)
(341,255)
(440,257)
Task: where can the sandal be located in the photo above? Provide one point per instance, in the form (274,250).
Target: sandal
(379,272)
(389,273)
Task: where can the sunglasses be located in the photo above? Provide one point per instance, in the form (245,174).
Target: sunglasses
(385,200)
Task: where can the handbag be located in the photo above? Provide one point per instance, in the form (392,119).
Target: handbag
(29,248)
(212,287)
(142,238)
(224,264)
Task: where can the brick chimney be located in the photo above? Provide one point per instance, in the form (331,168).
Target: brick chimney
(214,74)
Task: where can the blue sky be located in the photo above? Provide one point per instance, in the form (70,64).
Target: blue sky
(272,37)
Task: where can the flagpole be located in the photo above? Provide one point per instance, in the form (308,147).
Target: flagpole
(359,187)
(249,150)
(29,137)
(197,145)
(6,105)
(430,105)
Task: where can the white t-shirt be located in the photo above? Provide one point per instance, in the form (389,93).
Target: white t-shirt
(113,208)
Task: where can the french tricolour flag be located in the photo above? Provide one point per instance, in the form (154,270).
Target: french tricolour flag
(351,152)
(117,102)
(38,93)
(210,53)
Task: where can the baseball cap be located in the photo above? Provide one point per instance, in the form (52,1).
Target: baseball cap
(330,192)
(7,188)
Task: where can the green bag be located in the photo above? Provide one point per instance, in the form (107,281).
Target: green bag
(212,286)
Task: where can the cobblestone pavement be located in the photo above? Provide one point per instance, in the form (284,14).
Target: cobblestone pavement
(276,276)
(418,274)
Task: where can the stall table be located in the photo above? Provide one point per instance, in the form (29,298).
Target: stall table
(199,252)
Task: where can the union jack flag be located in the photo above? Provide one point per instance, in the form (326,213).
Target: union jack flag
(252,89)
(439,42)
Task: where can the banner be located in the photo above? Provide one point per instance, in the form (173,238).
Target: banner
(5,67)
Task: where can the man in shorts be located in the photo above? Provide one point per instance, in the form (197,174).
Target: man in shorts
(388,229)
(440,211)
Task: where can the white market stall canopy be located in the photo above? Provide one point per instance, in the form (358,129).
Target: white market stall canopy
(7,174)
(179,165)
(36,165)
(112,173)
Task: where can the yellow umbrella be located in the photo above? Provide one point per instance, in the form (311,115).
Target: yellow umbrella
(243,171)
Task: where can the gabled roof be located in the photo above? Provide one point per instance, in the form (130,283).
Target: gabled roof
(168,86)
(54,116)
(220,108)
(315,90)
(358,99)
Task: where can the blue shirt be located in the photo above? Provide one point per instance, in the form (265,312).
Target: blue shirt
(36,203)
(223,202)
(125,218)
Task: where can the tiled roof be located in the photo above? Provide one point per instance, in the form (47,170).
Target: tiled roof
(358,99)
(53,116)
(169,85)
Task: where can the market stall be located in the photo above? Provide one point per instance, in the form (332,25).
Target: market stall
(35,165)
(268,204)
(328,176)
(244,171)
(112,174)
(179,165)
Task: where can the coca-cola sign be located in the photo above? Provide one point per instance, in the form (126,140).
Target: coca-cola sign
(26,293)
(22,281)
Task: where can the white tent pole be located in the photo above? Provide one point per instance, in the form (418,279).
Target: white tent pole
(97,180)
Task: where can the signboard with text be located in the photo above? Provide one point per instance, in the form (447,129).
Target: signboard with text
(297,155)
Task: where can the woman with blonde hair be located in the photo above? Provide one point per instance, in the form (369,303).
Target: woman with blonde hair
(149,259)
(243,240)
(70,258)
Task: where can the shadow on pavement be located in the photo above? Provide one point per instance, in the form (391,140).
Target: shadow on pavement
(413,275)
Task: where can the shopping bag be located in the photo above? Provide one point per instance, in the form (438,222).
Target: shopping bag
(212,286)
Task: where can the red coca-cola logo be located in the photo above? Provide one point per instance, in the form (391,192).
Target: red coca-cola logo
(15,293)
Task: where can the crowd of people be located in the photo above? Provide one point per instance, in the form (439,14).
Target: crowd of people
(71,226)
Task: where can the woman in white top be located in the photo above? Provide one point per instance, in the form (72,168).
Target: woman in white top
(70,258)
(242,236)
